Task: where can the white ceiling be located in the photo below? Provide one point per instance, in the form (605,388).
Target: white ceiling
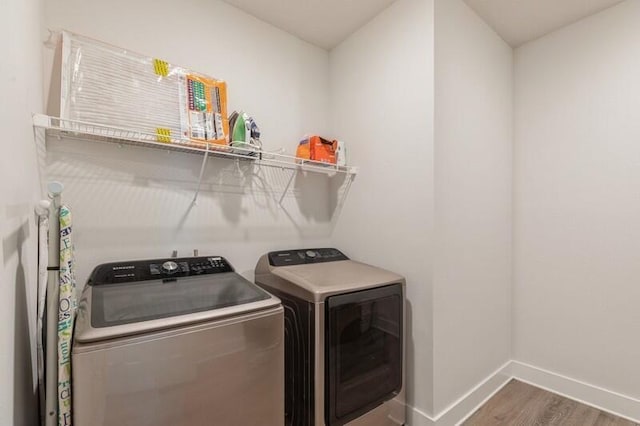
(519,21)
(324,23)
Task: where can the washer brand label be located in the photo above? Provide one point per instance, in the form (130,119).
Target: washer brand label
(120,268)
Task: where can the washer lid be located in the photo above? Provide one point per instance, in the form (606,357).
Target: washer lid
(316,281)
(130,308)
(126,303)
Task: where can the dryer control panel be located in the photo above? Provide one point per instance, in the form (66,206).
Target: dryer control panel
(304,256)
(154,269)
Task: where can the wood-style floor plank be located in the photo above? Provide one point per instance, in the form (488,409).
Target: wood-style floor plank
(520,404)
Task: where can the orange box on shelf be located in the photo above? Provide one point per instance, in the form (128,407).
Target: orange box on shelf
(322,149)
(316,148)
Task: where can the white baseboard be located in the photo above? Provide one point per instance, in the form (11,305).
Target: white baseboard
(415,417)
(461,409)
(597,397)
(466,405)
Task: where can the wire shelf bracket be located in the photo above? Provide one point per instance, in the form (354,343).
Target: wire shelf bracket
(202,168)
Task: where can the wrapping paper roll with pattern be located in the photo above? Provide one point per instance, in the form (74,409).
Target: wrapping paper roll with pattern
(66,315)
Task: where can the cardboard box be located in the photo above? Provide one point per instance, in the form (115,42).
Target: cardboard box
(323,150)
(317,149)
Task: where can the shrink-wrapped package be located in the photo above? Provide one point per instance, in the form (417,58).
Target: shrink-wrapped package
(111,86)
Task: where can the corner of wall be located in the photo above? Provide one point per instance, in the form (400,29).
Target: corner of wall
(382,106)
(473,200)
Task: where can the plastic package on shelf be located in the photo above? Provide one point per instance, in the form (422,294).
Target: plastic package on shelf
(111,86)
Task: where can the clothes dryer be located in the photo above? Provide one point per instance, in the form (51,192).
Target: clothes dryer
(344,337)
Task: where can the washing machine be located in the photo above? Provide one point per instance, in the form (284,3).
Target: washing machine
(177,342)
(344,338)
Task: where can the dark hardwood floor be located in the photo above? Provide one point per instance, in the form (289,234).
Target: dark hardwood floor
(525,405)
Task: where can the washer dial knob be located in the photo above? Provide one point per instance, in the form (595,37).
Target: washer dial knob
(170,267)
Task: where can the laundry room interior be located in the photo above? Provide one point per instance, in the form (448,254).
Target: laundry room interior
(412,212)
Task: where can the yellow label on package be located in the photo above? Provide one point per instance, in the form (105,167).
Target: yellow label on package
(161,67)
(163,135)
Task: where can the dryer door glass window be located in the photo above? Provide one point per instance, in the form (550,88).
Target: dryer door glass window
(364,351)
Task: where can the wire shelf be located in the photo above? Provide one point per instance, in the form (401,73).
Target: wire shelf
(63,128)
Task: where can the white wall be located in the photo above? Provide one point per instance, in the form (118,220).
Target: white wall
(134,203)
(21,89)
(382,105)
(473,166)
(577,205)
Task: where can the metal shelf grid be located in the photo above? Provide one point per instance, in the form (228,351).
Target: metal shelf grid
(62,128)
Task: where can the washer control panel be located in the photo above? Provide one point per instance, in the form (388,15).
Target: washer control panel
(304,256)
(165,269)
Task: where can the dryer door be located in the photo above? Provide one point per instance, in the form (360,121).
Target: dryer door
(363,351)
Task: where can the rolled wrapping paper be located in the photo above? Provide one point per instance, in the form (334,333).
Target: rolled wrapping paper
(66,316)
